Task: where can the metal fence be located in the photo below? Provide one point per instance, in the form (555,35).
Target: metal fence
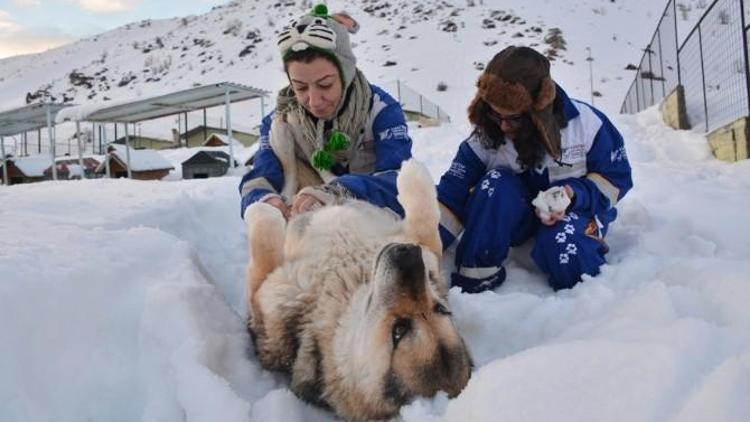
(412,101)
(711,65)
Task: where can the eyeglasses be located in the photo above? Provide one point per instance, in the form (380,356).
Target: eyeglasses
(513,120)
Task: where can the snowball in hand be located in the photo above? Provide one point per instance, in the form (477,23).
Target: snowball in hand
(552,200)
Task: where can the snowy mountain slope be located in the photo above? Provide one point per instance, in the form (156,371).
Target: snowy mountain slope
(429,41)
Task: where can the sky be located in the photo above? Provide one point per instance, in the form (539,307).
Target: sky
(31,26)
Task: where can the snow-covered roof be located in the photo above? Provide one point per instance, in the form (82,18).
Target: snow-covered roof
(225,140)
(27,118)
(138,110)
(32,166)
(140,159)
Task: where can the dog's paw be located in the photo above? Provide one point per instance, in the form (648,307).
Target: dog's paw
(261,211)
(415,184)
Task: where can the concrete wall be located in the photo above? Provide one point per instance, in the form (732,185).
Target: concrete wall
(730,143)
(673,109)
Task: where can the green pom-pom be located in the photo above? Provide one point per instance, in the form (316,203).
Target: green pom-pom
(337,141)
(322,160)
(320,10)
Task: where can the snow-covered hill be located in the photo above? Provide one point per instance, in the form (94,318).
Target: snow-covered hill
(421,42)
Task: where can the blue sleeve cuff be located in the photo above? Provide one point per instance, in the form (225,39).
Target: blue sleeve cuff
(252,197)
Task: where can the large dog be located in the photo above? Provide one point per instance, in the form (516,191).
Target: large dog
(349,300)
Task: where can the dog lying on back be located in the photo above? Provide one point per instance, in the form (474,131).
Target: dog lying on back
(349,301)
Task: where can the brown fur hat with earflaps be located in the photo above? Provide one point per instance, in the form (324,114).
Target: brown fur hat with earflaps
(517,80)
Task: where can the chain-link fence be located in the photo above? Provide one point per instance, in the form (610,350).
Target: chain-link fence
(711,65)
(414,102)
(658,72)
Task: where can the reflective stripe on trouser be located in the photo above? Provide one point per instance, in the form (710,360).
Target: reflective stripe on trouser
(498,216)
(569,249)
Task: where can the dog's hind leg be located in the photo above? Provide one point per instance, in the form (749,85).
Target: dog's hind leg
(417,195)
(265,233)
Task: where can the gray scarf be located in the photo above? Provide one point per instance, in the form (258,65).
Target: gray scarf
(351,120)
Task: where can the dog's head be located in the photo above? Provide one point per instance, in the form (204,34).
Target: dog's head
(413,323)
(419,349)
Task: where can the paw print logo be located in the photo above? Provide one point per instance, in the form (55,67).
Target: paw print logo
(573,215)
(494,174)
(485,184)
(561,237)
(490,191)
(569,229)
(571,249)
(564,258)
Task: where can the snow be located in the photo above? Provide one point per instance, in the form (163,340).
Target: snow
(124,300)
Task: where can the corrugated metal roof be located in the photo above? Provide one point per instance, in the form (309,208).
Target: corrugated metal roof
(187,100)
(27,118)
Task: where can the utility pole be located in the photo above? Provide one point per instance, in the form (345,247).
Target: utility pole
(591,73)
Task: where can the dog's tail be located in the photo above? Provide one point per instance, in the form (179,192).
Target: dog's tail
(418,197)
(265,234)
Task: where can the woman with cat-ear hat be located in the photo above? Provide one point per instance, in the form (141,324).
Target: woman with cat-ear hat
(333,135)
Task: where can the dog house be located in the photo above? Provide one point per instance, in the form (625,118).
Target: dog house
(205,164)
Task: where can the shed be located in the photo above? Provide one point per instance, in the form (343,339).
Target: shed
(72,167)
(145,164)
(200,134)
(149,142)
(26,169)
(205,164)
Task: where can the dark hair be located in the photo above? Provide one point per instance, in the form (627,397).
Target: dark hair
(308,55)
(527,141)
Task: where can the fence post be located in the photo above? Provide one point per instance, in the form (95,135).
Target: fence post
(676,43)
(637,91)
(661,66)
(744,43)
(650,52)
(703,75)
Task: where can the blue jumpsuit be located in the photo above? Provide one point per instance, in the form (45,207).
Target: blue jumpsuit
(487,196)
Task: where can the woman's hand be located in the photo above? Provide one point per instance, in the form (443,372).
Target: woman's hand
(304,202)
(553,210)
(279,204)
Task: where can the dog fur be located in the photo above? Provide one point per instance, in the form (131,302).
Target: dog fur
(351,303)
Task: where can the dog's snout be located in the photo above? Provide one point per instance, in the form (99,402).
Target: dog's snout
(407,258)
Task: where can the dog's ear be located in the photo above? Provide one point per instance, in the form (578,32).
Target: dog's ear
(418,197)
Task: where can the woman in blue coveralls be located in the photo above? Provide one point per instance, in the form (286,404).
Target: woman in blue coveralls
(333,135)
(528,137)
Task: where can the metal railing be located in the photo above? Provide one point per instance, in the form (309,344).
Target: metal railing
(412,101)
(711,65)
